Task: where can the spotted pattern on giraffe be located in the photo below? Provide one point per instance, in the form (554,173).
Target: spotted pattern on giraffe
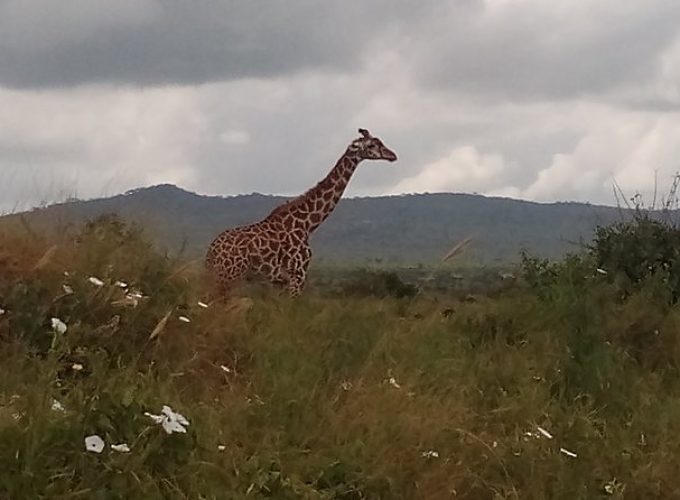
(276,248)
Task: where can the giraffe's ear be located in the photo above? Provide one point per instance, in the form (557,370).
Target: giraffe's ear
(365,133)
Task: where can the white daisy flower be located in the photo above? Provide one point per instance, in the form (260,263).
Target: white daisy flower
(121,448)
(221,447)
(157,419)
(169,420)
(393,382)
(59,326)
(544,432)
(77,367)
(175,422)
(128,300)
(613,486)
(94,443)
(95,281)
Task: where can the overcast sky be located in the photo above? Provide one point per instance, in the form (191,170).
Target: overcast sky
(532,99)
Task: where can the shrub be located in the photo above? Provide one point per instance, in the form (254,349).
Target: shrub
(639,249)
(546,277)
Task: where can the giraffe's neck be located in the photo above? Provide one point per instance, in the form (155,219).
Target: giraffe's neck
(309,210)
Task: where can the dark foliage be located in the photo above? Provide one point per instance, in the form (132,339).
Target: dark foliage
(639,249)
(377,283)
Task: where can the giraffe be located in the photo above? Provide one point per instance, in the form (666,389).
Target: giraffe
(277,248)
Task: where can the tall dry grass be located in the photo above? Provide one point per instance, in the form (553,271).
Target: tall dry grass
(323,397)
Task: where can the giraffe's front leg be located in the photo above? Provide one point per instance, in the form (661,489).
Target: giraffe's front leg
(298,271)
(296,284)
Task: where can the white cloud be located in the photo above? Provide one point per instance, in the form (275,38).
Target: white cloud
(532,49)
(622,146)
(95,141)
(464,169)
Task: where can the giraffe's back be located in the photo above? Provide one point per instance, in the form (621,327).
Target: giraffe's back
(243,251)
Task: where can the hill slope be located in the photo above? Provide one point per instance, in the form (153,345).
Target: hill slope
(394,229)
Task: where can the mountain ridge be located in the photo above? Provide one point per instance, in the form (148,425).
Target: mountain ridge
(399,229)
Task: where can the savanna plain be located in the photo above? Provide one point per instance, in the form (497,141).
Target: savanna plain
(563,384)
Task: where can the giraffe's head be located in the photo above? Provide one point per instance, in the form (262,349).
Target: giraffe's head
(368,147)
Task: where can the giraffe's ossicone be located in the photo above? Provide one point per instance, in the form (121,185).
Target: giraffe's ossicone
(276,248)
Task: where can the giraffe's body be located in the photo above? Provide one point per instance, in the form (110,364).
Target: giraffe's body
(277,248)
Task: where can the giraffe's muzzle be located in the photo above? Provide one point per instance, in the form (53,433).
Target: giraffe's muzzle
(389,155)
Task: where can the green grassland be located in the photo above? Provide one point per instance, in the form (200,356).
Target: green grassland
(333,395)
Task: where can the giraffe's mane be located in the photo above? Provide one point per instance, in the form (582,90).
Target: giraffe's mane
(285,207)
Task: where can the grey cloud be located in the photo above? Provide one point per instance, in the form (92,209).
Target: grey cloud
(293,143)
(529,50)
(546,50)
(184,41)
(551,88)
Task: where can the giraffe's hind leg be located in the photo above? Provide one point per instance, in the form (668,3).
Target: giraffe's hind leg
(225,283)
(223,289)
(230,302)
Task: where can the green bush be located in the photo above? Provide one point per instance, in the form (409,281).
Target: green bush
(637,250)
(642,253)
(547,278)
